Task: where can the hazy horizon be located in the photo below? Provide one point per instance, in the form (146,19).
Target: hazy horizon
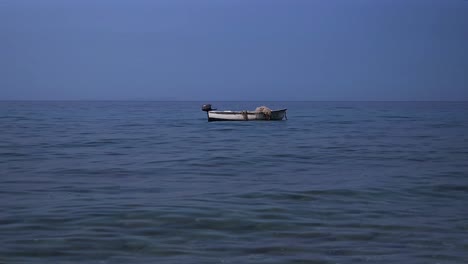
(226,100)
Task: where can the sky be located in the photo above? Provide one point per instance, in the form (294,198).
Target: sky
(208,50)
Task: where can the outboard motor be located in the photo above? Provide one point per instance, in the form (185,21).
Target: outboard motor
(207,107)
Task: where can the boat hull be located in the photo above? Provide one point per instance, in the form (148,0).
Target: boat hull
(276,115)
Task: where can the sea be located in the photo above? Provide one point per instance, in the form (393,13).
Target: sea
(154,182)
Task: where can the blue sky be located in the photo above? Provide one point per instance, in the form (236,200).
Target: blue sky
(234,50)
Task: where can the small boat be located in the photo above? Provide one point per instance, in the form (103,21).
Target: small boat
(261,113)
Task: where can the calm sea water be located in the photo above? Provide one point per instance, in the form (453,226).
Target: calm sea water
(154,182)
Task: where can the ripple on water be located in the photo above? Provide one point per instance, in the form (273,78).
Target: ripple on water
(336,183)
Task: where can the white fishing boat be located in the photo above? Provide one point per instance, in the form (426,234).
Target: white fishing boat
(261,113)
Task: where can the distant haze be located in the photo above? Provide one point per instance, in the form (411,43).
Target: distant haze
(233,50)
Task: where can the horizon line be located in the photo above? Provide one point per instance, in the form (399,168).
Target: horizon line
(207,101)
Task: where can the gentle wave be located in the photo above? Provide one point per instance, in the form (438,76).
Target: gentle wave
(154,182)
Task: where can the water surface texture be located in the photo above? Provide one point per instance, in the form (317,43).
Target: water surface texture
(154,182)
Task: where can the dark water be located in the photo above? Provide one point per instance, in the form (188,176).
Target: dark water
(153,182)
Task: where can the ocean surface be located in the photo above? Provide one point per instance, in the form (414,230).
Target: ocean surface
(154,182)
